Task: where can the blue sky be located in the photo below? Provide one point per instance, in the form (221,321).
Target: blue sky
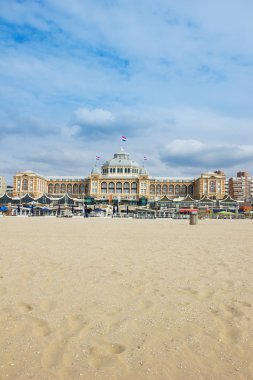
(176,78)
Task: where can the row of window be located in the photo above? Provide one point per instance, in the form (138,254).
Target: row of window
(125,188)
(70,189)
(118,188)
(28,185)
(119,170)
(177,190)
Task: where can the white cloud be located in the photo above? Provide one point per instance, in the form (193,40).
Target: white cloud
(94,117)
(199,155)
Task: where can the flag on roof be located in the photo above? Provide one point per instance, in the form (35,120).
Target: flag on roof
(145,158)
(123,138)
(97,158)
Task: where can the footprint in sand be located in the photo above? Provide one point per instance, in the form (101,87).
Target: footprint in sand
(190,291)
(145,304)
(24,307)
(231,333)
(229,316)
(105,353)
(40,327)
(244,303)
(233,311)
(47,305)
(53,353)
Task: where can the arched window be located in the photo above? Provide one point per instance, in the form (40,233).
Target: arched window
(86,189)
(81,189)
(50,188)
(119,187)
(165,189)
(158,189)
(171,190)
(126,188)
(103,187)
(177,190)
(63,188)
(75,188)
(152,189)
(212,187)
(69,189)
(190,190)
(57,188)
(111,188)
(183,191)
(25,184)
(134,188)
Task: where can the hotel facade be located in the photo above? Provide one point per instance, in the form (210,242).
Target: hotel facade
(120,178)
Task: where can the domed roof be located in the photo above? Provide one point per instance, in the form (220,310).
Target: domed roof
(95,170)
(121,159)
(143,171)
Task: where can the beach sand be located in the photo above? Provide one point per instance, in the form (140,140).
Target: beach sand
(126,299)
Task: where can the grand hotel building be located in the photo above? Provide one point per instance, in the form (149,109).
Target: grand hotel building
(120,178)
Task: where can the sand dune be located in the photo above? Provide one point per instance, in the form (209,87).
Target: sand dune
(126,299)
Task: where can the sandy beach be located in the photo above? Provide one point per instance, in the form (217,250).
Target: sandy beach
(126,299)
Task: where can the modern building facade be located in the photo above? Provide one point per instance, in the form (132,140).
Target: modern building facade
(241,187)
(120,178)
(3,185)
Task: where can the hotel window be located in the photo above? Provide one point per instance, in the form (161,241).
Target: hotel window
(125,170)
(165,189)
(18,185)
(75,188)
(94,187)
(119,187)
(158,189)
(143,187)
(177,190)
(103,187)
(190,190)
(81,189)
(152,189)
(111,188)
(134,188)
(171,190)
(63,188)
(69,189)
(50,188)
(126,188)
(212,187)
(110,170)
(114,170)
(57,188)
(183,191)
(25,184)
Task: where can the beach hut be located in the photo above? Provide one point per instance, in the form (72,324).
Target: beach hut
(5,199)
(228,203)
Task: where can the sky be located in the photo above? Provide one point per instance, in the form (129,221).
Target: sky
(174,77)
